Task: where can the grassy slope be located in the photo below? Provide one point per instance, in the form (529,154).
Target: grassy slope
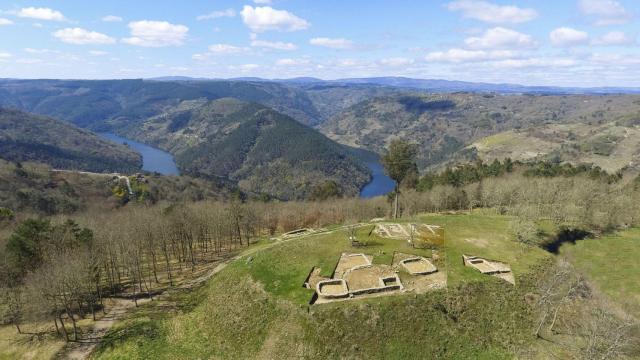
(257,308)
(611,263)
(16,346)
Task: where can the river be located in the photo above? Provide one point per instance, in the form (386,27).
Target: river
(380,183)
(153,160)
(156,160)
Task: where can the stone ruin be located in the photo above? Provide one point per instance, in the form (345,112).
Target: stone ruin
(355,276)
(490,267)
(297,233)
(418,266)
(418,235)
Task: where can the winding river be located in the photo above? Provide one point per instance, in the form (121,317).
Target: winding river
(153,160)
(156,160)
(380,183)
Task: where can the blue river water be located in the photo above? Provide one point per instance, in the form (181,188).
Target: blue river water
(153,160)
(380,183)
(156,160)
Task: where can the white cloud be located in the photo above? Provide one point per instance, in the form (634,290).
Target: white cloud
(40,14)
(614,38)
(566,37)
(39,51)
(29,61)
(5,55)
(248,67)
(615,59)
(218,14)
(150,33)
(276,45)
(220,49)
(112,18)
(396,62)
(462,55)
(225,49)
(535,62)
(4,21)
(292,62)
(79,36)
(607,12)
(98,53)
(492,13)
(262,2)
(260,19)
(338,43)
(500,38)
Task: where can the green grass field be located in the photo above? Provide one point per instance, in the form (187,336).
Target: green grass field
(257,307)
(611,264)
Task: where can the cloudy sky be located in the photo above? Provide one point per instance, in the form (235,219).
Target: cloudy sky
(560,42)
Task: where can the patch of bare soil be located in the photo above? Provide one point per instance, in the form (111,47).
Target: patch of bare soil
(349,261)
(333,289)
(314,278)
(368,277)
(482,243)
(118,309)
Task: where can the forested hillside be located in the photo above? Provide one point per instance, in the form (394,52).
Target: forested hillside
(31,188)
(265,151)
(444,124)
(28,137)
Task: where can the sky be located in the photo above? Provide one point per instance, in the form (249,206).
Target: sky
(560,42)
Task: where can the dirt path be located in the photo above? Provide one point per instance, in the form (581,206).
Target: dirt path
(120,308)
(83,348)
(119,176)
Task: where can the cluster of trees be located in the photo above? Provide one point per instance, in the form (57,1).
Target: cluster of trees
(60,270)
(465,174)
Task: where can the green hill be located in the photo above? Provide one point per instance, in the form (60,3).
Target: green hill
(28,137)
(444,124)
(256,307)
(263,150)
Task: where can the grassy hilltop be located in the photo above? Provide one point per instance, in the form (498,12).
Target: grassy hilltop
(257,307)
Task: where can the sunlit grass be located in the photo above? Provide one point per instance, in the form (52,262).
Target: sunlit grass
(611,263)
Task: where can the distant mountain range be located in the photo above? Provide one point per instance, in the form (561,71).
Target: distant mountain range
(242,129)
(431,85)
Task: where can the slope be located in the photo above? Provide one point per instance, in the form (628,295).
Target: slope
(265,151)
(611,146)
(444,124)
(28,137)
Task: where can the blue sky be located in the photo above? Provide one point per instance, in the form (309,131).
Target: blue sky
(568,42)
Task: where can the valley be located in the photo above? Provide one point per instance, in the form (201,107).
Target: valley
(275,180)
(209,226)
